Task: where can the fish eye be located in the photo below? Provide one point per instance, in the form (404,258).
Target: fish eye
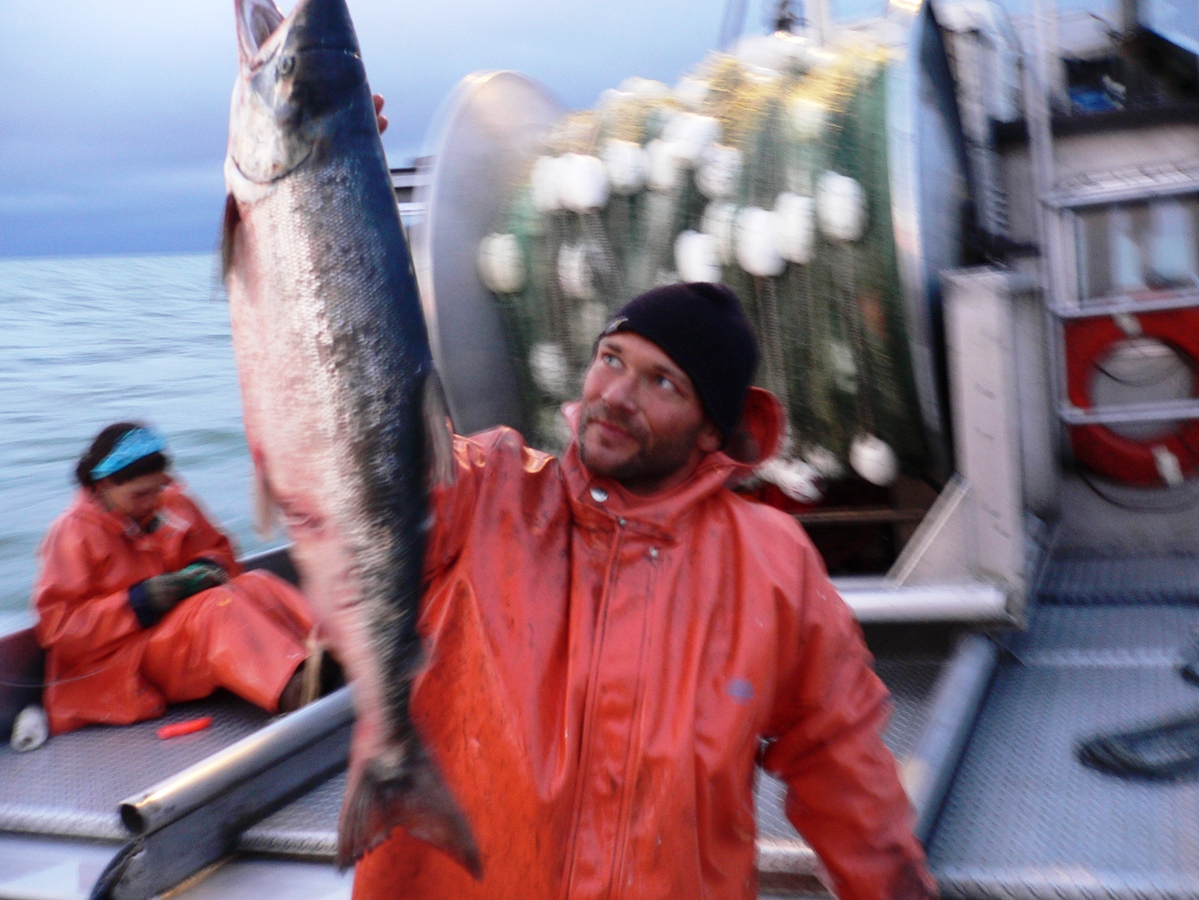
(286,65)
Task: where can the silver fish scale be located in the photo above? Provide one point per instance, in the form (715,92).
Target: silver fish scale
(326,400)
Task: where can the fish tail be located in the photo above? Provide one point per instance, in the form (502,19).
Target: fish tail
(415,798)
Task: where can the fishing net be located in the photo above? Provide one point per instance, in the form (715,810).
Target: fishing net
(772,180)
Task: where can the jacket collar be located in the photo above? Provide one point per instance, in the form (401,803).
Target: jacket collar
(593,495)
(88,506)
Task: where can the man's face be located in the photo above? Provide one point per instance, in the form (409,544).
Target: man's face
(641,421)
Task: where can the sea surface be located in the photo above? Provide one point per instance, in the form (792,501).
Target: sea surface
(88,341)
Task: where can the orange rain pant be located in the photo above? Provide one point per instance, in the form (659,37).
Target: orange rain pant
(104,666)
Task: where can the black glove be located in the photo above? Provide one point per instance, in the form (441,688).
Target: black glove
(163,592)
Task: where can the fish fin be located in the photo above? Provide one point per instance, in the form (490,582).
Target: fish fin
(414,798)
(439,435)
(266,507)
(229,225)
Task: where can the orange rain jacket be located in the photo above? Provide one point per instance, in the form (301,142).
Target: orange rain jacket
(103,665)
(601,670)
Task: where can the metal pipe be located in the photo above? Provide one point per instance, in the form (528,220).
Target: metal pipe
(1161,411)
(957,697)
(180,794)
(862,515)
(925,603)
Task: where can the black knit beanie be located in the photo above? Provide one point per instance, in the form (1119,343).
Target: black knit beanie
(703,328)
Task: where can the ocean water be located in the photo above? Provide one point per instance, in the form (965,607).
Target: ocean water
(93,340)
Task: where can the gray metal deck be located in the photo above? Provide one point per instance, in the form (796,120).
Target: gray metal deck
(911,682)
(73,784)
(1024,818)
(70,790)
(33,799)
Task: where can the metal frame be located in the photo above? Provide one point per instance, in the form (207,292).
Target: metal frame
(22,665)
(926,772)
(1118,304)
(1060,211)
(1124,186)
(966,561)
(960,691)
(193,820)
(921,197)
(1164,411)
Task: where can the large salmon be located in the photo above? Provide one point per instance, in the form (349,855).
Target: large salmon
(343,412)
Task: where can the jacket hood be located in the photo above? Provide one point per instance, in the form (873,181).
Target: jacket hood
(756,440)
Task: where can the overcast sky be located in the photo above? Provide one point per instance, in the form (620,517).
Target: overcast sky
(115,112)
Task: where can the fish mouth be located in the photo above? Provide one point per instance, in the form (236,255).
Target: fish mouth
(257,22)
(283,173)
(313,25)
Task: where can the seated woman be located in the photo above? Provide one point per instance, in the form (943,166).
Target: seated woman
(140,601)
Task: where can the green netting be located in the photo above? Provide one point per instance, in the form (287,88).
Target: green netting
(832,333)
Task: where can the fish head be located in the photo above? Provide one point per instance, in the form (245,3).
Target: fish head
(300,85)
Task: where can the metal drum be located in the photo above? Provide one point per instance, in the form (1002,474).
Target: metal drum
(492,129)
(489,128)
(930,202)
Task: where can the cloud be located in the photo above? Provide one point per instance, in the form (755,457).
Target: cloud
(115,113)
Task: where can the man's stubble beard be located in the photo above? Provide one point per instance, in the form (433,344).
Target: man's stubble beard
(653,461)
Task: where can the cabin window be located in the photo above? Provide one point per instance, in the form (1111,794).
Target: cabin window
(1138,249)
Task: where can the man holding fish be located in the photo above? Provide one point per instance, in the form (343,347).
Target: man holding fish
(595,650)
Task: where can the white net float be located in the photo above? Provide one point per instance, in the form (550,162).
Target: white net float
(501,265)
(757,243)
(695,257)
(840,207)
(627,165)
(873,459)
(719,220)
(719,172)
(582,183)
(543,183)
(796,226)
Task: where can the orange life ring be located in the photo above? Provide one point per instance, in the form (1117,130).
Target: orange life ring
(1100,448)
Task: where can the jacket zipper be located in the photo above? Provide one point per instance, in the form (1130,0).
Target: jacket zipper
(636,738)
(600,628)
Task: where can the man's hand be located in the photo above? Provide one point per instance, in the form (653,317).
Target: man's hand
(379,117)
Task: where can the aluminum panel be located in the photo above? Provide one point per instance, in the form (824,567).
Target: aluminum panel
(72,786)
(1024,817)
(911,683)
(306,827)
(1091,581)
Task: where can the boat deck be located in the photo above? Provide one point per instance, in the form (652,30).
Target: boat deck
(1024,818)
(60,824)
(1021,818)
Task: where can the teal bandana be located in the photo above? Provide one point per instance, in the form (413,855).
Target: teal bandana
(129,448)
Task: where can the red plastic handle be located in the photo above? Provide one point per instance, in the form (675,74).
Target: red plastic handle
(178,729)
